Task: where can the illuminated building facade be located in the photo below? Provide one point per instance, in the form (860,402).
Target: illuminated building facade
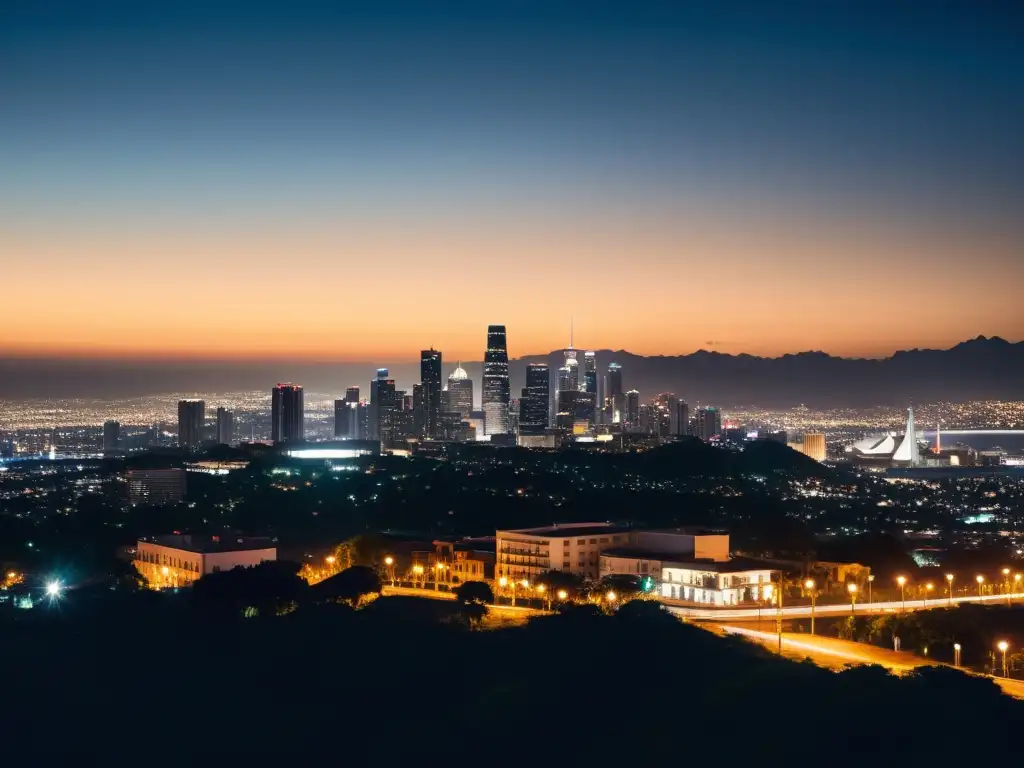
(496,393)
(573,547)
(156,487)
(191,417)
(590,373)
(535,399)
(460,393)
(111,436)
(179,560)
(734,582)
(430,381)
(225,426)
(287,414)
(707,423)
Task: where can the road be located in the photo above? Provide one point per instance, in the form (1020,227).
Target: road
(841,609)
(833,653)
(497,615)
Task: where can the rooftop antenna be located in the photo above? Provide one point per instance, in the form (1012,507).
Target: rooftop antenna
(570,331)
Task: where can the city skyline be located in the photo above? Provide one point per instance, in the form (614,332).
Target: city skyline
(792,173)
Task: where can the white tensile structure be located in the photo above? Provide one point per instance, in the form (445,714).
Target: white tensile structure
(907,452)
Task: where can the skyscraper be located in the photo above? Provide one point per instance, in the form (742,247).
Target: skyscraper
(460,393)
(535,399)
(679,417)
(287,414)
(225,426)
(590,372)
(374,415)
(430,379)
(352,395)
(496,392)
(111,436)
(707,423)
(614,381)
(191,417)
(632,408)
(384,401)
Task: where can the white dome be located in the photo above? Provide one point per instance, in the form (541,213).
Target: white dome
(458,374)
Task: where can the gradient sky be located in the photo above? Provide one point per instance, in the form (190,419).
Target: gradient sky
(322,181)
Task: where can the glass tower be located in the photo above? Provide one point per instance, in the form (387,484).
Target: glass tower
(496,393)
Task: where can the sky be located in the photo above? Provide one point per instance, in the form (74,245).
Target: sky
(355,181)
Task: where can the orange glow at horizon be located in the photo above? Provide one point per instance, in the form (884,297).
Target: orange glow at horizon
(649,285)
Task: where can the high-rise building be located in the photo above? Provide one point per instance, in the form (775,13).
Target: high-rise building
(349,419)
(191,417)
(535,399)
(614,380)
(111,436)
(384,401)
(460,393)
(430,379)
(632,411)
(679,418)
(225,426)
(352,395)
(814,446)
(287,414)
(590,372)
(496,392)
(707,423)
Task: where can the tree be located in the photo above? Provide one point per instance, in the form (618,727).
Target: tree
(559,580)
(474,592)
(351,585)
(262,590)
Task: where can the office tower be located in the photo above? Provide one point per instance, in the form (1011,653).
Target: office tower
(707,423)
(496,392)
(287,414)
(342,424)
(352,395)
(111,436)
(632,412)
(374,414)
(191,416)
(679,418)
(590,372)
(614,381)
(534,401)
(419,409)
(430,379)
(460,393)
(225,426)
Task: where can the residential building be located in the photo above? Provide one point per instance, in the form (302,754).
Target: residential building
(191,417)
(734,582)
(179,560)
(225,426)
(287,414)
(111,436)
(573,547)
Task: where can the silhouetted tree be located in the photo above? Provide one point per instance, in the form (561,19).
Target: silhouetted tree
(351,585)
(474,592)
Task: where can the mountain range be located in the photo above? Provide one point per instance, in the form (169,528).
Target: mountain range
(979,369)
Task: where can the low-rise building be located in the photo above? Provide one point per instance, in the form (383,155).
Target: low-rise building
(156,487)
(179,560)
(734,582)
(646,551)
(572,547)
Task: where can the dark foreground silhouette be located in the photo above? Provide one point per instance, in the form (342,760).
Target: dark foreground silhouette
(409,681)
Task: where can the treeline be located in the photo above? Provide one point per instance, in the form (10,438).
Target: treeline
(404,680)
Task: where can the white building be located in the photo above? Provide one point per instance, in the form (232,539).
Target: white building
(646,551)
(179,560)
(733,582)
(572,547)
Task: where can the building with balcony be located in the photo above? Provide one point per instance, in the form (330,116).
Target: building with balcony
(573,547)
(179,560)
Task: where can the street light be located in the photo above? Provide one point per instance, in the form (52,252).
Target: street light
(809,586)
(1004,646)
(871,578)
(389,561)
(956,654)
(331,559)
(417,571)
(949,581)
(542,588)
(562,594)
(902,581)
(852,589)
(981,580)
(927,588)
(611,597)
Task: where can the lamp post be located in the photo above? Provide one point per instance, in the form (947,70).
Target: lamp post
(981,580)
(1016,582)
(417,575)
(611,597)
(809,586)
(902,581)
(389,561)
(956,654)
(562,594)
(1004,646)
(927,589)
(949,582)
(871,578)
(852,589)
(1006,579)
(545,595)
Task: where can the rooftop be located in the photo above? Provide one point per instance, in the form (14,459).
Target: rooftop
(207,544)
(570,529)
(642,553)
(736,565)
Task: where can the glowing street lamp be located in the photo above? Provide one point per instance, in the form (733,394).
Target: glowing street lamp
(852,589)
(809,586)
(949,582)
(562,594)
(871,578)
(389,561)
(927,590)
(331,559)
(417,571)
(1004,646)
(611,597)
(956,654)
(981,580)
(902,581)
(53,589)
